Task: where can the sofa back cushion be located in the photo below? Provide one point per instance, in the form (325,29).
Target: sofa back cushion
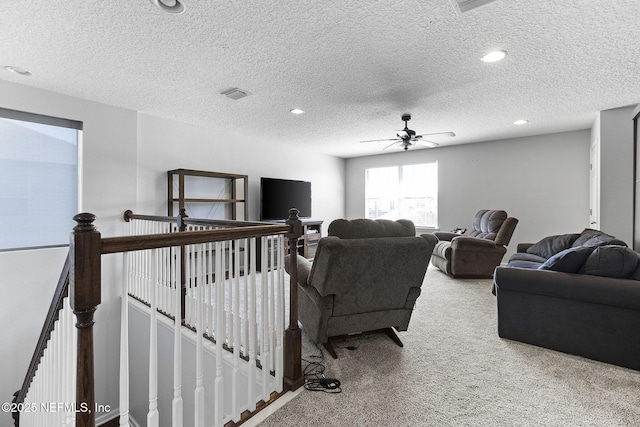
(487,223)
(373,274)
(551,245)
(370,228)
(590,237)
(611,261)
(569,260)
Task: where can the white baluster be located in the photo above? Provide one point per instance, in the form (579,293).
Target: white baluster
(245,326)
(177,403)
(229,298)
(264,332)
(236,333)
(153,415)
(272,285)
(73,363)
(219,335)
(252,327)
(280,302)
(124,344)
(199,391)
(221,332)
(209,294)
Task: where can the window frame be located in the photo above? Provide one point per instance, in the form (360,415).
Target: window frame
(401,195)
(42,119)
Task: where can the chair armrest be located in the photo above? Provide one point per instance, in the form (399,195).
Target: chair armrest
(462,243)
(304,269)
(522,247)
(445,235)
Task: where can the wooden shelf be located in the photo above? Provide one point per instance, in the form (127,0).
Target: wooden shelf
(238,191)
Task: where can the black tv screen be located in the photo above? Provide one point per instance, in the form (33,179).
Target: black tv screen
(277,196)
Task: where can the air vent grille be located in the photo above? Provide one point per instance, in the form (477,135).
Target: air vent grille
(235,93)
(467,5)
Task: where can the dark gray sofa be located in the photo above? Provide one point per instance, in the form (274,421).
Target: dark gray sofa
(477,254)
(584,299)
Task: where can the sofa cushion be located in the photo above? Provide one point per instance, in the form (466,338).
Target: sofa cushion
(521,263)
(551,245)
(487,223)
(591,237)
(369,228)
(611,261)
(569,260)
(442,250)
(525,256)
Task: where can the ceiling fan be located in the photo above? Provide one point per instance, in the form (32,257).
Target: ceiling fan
(407,137)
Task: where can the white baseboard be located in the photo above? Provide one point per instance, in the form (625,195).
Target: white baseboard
(114,413)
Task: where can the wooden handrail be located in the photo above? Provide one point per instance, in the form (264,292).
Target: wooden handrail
(153,241)
(62,290)
(81,280)
(129,215)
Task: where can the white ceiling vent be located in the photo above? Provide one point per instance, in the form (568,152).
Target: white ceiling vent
(235,93)
(466,5)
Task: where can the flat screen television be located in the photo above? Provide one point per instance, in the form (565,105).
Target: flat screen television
(277,196)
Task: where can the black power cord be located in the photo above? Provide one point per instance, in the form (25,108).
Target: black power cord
(315,379)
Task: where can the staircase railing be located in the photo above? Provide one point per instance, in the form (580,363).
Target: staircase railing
(186,255)
(51,374)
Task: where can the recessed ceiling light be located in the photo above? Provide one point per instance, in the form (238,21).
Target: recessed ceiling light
(521,122)
(297,111)
(17,70)
(171,6)
(494,56)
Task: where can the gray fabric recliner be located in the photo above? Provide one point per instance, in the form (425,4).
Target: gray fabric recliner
(366,276)
(479,253)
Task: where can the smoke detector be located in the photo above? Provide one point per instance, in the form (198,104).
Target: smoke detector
(467,5)
(235,93)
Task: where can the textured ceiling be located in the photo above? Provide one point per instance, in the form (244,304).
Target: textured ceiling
(354,67)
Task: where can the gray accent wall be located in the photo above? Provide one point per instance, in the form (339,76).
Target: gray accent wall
(541,180)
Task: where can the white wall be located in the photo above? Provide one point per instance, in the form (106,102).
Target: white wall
(616,172)
(29,277)
(124,163)
(541,180)
(164,145)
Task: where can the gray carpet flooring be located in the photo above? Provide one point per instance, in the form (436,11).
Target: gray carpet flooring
(454,370)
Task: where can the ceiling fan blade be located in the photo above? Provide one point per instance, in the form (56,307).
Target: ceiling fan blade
(390,145)
(380,140)
(425,143)
(450,134)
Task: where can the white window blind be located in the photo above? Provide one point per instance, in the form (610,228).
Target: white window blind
(38,179)
(403,192)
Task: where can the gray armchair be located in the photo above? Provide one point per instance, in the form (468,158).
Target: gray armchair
(479,253)
(366,276)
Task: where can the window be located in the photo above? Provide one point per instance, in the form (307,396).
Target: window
(407,191)
(38,179)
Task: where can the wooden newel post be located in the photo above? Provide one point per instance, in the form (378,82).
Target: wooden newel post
(85,297)
(293,377)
